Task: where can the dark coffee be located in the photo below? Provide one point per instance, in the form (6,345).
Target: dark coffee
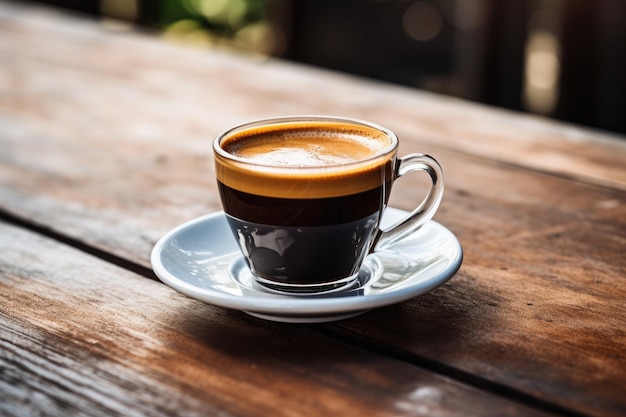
(302,212)
(304,199)
(304,255)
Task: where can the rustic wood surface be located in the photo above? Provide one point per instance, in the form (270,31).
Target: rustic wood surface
(82,336)
(105,146)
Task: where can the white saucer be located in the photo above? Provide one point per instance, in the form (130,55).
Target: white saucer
(201,259)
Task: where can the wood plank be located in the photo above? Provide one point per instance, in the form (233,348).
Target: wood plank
(145,91)
(80,336)
(539,302)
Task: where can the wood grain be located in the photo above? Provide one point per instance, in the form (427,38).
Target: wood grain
(133,81)
(80,336)
(538,304)
(106,139)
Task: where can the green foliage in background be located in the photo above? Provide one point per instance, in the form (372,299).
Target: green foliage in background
(237,23)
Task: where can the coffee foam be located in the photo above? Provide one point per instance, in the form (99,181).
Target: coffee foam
(309,148)
(306,159)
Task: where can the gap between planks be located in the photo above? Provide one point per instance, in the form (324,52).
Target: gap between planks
(442,369)
(77,244)
(567,176)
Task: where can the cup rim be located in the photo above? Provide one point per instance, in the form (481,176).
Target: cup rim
(303,118)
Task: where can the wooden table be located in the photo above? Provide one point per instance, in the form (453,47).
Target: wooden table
(105,146)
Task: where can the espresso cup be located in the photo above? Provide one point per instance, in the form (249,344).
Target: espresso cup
(304,197)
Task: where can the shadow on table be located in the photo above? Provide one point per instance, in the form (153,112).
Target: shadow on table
(444,320)
(439,320)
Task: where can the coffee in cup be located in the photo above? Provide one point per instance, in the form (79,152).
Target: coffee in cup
(304,197)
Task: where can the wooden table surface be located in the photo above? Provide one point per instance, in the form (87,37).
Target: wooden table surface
(105,146)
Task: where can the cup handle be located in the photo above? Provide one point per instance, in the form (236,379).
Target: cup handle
(427,208)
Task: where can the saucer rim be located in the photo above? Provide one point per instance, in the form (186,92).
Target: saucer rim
(283,307)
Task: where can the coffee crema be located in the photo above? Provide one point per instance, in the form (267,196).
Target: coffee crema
(305,159)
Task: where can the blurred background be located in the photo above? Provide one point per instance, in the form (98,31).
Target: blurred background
(565,59)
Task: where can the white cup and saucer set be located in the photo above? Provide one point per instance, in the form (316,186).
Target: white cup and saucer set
(305,235)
